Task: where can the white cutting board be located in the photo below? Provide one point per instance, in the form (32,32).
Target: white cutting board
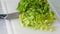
(9,6)
(16,27)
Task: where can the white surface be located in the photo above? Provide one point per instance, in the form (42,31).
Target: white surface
(1,12)
(3,29)
(11,6)
(56,4)
(2,8)
(9,27)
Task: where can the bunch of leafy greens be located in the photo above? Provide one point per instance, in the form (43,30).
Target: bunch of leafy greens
(36,14)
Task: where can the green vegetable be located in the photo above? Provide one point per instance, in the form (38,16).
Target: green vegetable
(36,14)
